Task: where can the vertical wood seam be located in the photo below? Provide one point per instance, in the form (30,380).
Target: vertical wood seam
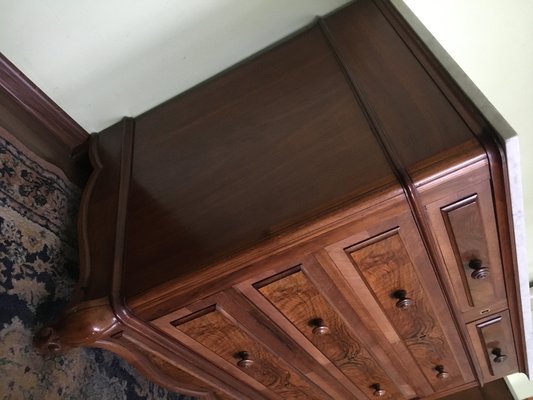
(492,144)
(405,181)
(118,304)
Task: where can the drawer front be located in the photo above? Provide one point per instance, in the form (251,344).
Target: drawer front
(466,232)
(389,273)
(295,296)
(494,345)
(221,335)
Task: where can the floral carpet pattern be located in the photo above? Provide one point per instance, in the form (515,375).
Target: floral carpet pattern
(38,268)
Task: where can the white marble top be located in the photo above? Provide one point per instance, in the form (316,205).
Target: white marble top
(512,150)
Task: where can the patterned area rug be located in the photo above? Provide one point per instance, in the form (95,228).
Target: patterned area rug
(38,267)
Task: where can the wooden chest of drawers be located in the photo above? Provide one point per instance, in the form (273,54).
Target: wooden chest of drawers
(328,220)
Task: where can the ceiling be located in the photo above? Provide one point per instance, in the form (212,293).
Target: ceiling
(101,60)
(105,59)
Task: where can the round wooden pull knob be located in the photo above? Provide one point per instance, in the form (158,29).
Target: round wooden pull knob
(480,271)
(404,302)
(500,359)
(246,362)
(499,356)
(320,328)
(442,374)
(379,392)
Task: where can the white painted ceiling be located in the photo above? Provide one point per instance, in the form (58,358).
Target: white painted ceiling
(101,60)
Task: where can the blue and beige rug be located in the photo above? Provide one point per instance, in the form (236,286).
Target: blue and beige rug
(38,267)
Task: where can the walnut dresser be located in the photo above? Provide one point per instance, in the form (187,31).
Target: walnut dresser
(327,220)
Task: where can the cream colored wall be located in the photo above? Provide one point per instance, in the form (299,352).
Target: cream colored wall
(101,60)
(491,41)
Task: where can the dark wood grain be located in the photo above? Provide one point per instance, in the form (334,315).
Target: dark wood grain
(371,229)
(395,85)
(159,368)
(178,375)
(387,269)
(493,341)
(262,148)
(304,306)
(496,390)
(225,339)
(258,327)
(494,148)
(41,140)
(326,153)
(98,211)
(384,344)
(162,299)
(36,103)
(466,228)
(393,137)
(101,222)
(462,219)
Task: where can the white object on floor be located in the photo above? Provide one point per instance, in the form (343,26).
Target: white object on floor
(521,388)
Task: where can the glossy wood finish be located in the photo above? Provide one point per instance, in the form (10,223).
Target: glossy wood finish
(100,203)
(37,104)
(493,341)
(87,322)
(224,338)
(464,224)
(384,346)
(258,338)
(389,257)
(388,270)
(496,390)
(178,375)
(161,369)
(467,230)
(494,150)
(403,97)
(20,101)
(297,159)
(96,321)
(297,298)
(256,151)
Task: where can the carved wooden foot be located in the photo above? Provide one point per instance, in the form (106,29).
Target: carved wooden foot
(80,325)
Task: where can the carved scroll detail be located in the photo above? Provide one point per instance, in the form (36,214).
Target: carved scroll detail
(80,325)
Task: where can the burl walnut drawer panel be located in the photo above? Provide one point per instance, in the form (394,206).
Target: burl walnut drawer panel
(494,346)
(389,273)
(301,303)
(465,228)
(222,336)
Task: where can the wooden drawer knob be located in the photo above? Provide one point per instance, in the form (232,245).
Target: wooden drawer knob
(480,271)
(403,302)
(442,374)
(245,361)
(499,356)
(320,328)
(379,392)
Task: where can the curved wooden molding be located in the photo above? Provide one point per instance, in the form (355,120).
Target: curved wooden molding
(83,237)
(97,322)
(146,367)
(37,103)
(492,144)
(80,325)
(98,315)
